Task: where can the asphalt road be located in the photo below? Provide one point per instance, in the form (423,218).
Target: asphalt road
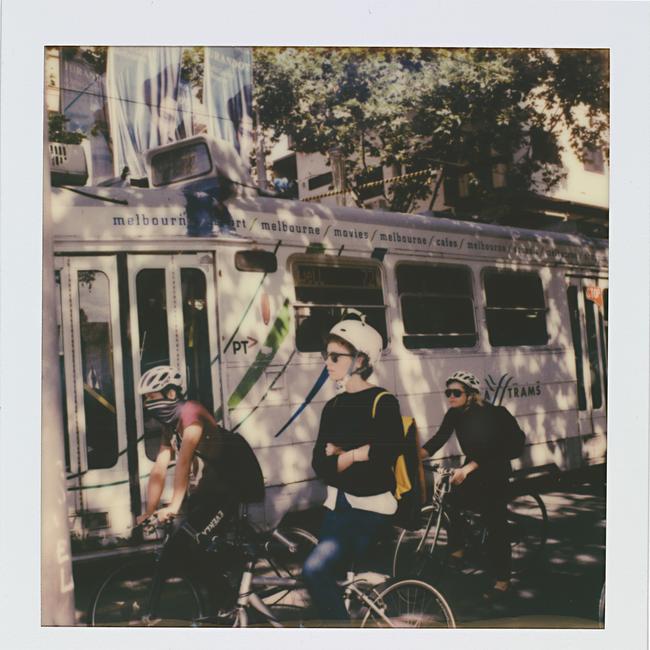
(560,590)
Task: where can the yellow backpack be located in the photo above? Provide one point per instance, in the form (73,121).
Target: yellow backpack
(410,486)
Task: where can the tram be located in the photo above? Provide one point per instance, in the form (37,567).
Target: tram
(196,269)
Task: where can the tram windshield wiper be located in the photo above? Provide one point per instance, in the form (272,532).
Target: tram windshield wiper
(95,196)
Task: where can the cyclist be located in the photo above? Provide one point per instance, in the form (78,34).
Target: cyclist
(489,436)
(216,467)
(354,455)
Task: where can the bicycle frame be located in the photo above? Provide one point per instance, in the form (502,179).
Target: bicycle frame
(249,598)
(440,491)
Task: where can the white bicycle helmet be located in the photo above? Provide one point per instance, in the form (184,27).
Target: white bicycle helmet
(465,378)
(362,337)
(161,377)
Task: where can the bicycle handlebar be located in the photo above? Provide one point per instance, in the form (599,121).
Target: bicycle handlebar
(152,523)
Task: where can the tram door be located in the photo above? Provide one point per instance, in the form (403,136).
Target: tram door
(173,321)
(588,305)
(91,367)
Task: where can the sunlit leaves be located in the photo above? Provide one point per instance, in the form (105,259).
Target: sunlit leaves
(447,109)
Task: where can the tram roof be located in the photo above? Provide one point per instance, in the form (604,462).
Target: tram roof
(74,203)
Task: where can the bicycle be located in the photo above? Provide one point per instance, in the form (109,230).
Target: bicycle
(137,593)
(369,599)
(424,551)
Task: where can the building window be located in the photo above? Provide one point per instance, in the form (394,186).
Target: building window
(285,177)
(515,308)
(437,306)
(321,180)
(326,291)
(544,148)
(593,160)
(370,183)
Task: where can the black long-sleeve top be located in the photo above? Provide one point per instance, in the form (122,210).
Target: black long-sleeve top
(484,434)
(347,422)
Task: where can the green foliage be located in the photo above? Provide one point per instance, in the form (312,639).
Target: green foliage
(95,56)
(57,131)
(451,111)
(192,66)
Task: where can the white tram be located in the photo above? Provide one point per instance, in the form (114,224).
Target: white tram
(237,290)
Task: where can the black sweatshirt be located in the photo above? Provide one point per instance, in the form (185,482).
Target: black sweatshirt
(347,422)
(484,434)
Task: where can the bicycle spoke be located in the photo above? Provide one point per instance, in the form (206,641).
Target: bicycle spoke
(409,603)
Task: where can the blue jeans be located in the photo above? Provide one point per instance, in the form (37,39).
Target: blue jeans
(346,535)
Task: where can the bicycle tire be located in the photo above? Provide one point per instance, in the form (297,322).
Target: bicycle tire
(528,529)
(408,603)
(284,563)
(124,599)
(415,554)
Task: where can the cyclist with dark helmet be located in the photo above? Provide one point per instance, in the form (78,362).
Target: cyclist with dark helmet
(216,468)
(489,436)
(354,456)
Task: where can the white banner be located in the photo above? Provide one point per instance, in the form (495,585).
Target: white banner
(228,96)
(148,103)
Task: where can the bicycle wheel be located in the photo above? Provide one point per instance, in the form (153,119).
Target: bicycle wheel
(125,599)
(287,562)
(408,603)
(423,552)
(527,523)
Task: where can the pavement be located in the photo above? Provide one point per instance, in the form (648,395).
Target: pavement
(560,590)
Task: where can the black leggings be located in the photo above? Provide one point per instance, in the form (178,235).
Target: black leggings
(208,517)
(489,497)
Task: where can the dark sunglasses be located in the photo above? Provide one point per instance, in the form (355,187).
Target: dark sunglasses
(334,356)
(456,392)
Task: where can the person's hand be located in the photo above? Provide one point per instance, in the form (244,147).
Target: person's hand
(459,476)
(332,450)
(166,514)
(361,454)
(143,517)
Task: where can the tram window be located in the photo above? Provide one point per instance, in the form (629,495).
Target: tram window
(97,369)
(180,164)
(515,309)
(257,261)
(153,338)
(324,293)
(437,306)
(592,350)
(574,315)
(197,337)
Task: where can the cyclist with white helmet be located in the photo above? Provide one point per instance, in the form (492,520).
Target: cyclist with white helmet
(354,456)
(215,467)
(489,436)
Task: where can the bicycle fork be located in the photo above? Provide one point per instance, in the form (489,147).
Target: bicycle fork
(248,597)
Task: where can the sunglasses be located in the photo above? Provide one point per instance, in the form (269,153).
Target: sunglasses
(334,356)
(454,391)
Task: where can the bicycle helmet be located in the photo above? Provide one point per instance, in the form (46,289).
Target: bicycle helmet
(467,379)
(361,336)
(159,378)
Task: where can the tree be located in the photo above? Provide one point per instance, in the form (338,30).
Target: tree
(433,110)
(58,131)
